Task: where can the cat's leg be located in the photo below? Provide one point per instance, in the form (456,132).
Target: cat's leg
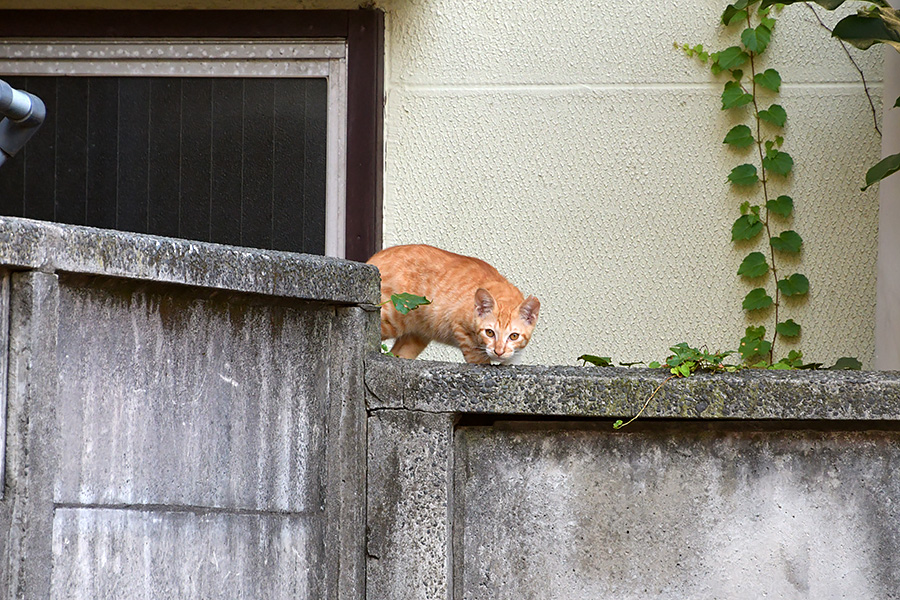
(408,346)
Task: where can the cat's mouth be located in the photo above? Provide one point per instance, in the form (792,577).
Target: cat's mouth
(505,359)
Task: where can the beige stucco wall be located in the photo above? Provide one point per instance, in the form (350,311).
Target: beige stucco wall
(570,145)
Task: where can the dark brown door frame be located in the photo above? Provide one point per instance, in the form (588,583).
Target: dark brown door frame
(363,30)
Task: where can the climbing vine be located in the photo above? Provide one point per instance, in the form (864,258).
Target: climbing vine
(749,93)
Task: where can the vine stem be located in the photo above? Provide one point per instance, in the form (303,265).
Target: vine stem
(646,402)
(765,180)
(855,65)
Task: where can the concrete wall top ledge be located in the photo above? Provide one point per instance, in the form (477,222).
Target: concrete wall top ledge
(620,392)
(51,247)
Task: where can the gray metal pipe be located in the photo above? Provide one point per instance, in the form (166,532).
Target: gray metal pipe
(22,114)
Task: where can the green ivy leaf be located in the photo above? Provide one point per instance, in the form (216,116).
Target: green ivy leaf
(795,285)
(406,302)
(654,365)
(769,79)
(782,205)
(756,40)
(757,300)
(897,103)
(753,343)
(740,136)
(731,58)
(600,361)
(778,162)
(775,114)
(767,21)
(829,4)
(846,363)
(734,96)
(874,25)
(743,175)
(789,241)
(754,265)
(746,227)
(886,166)
(755,333)
(788,329)
(734,13)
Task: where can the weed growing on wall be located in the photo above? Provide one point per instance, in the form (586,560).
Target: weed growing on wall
(763,225)
(403,303)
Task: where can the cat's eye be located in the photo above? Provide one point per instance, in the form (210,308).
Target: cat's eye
(514,336)
(489,332)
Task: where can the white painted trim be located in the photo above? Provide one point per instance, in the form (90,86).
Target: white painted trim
(212,58)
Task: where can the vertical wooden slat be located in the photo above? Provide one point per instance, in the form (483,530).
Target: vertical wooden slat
(226,169)
(316,125)
(256,205)
(196,123)
(71,150)
(40,184)
(164,167)
(103,151)
(289,139)
(134,125)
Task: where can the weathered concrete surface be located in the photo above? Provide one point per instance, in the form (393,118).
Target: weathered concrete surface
(185,420)
(744,486)
(211,393)
(620,392)
(31,457)
(41,246)
(409,499)
(115,553)
(585,513)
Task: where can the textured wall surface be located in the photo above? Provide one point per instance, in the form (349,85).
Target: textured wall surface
(686,514)
(489,482)
(177,429)
(571,146)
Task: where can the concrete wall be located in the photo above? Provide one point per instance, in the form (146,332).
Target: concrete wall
(571,146)
(490,483)
(185,420)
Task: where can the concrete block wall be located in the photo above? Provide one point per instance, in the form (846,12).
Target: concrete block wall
(489,483)
(184,420)
(187,420)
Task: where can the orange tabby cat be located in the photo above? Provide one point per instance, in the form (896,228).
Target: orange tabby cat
(473,307)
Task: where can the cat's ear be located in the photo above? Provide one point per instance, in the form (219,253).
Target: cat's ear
(529,309)
(484,302)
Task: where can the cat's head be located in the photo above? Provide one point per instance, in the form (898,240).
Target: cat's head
(504,326)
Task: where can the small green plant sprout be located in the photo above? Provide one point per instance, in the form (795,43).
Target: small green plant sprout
(597,361)
(403,303)
(406,302)
(684,362)
(749,93)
